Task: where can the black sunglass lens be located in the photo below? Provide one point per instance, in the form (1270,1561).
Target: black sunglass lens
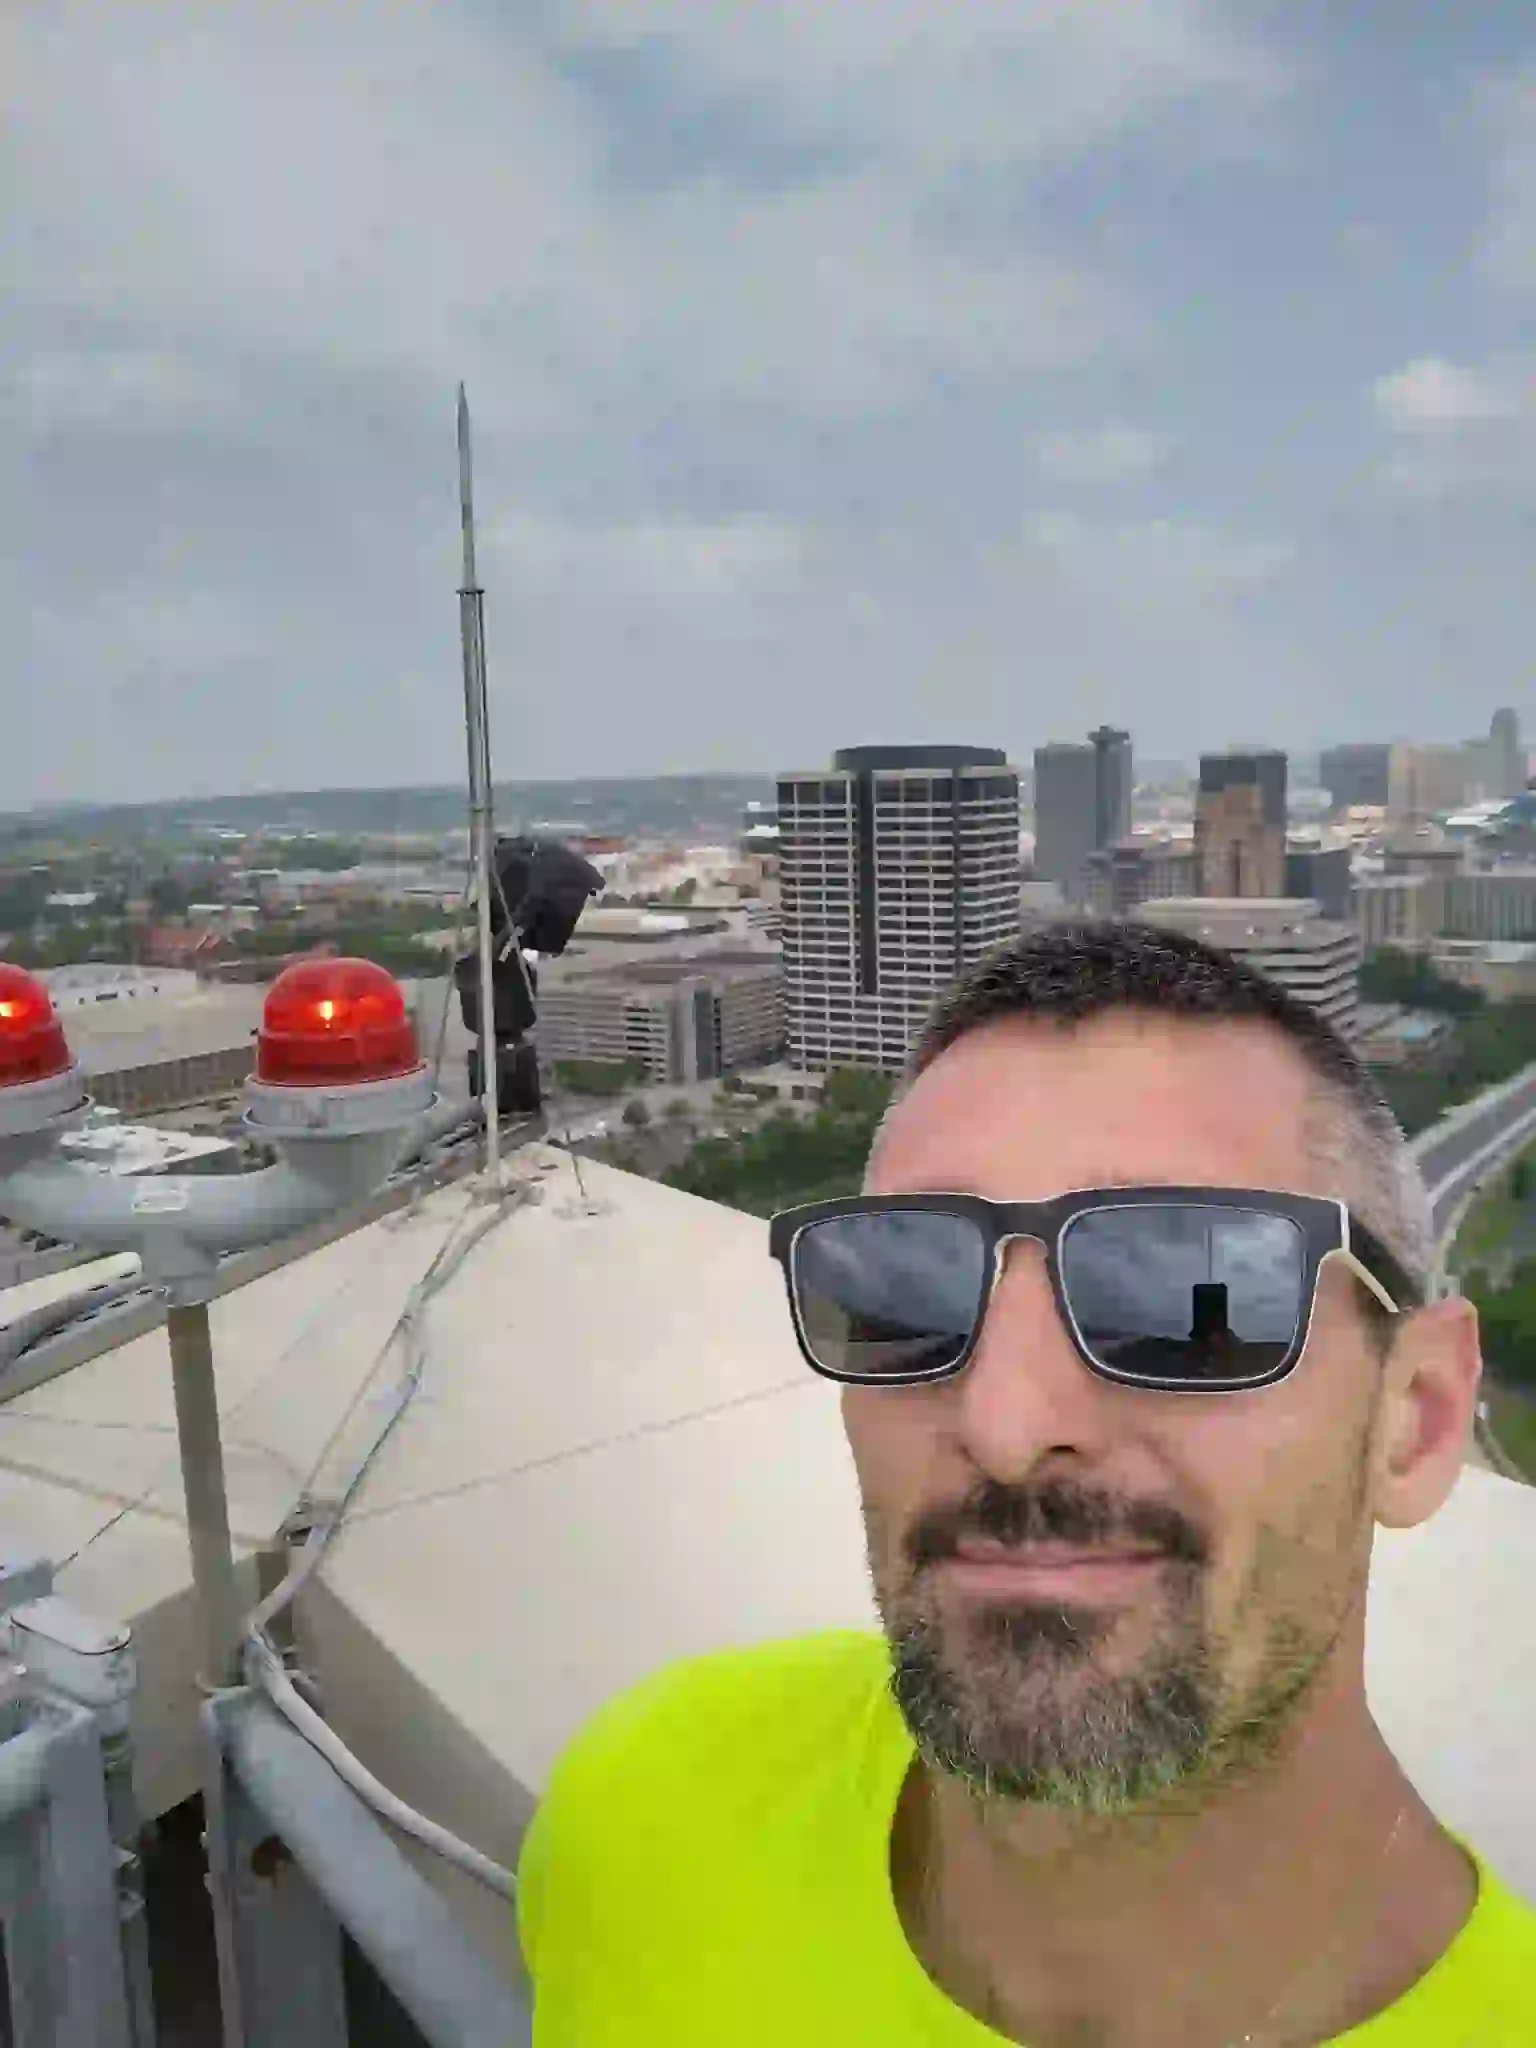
(1185,1292)
(888,1292)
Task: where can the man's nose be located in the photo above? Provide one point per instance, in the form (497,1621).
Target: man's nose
(1026,1395)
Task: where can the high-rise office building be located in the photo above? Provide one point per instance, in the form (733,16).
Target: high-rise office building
(1356,774)
(1240,824)
(1082,804)
(1113,784)
(899,869)
(1505,755)
(1324,873)
(1066,811)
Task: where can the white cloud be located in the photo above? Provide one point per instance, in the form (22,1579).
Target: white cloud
(949,83)
(1459,431)
(120,389)
(425,191)
(1109,454)
(1155,564)
(655,561)
(1430,394)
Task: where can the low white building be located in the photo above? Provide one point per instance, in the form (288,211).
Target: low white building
(1284,937)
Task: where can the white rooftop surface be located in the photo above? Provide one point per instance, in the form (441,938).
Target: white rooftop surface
(616,1459)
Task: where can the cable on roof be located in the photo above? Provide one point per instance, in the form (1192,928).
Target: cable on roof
(264,1664)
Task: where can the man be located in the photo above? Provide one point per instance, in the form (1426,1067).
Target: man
(1135,1345)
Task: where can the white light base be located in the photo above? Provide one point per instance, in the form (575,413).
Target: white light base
(280,1111)
(30,1107)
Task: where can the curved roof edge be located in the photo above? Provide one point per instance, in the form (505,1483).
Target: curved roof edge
(854,759)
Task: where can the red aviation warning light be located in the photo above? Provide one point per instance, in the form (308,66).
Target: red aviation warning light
(330,1023)
(32,1042)
(39,1081)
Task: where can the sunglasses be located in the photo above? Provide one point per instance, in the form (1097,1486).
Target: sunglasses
(1175,1289)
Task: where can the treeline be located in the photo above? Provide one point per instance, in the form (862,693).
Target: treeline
(1507,1318)
(791,1159)
(1390,975)
(1489,1046)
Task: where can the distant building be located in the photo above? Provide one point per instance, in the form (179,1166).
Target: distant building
(1504,970)
(76,988)
(1139,871)
(1287,939)
(681,1019)
(1495,768)
(1398,910)
(899,868)
(1066,816)
(1322,872)
(183,946)
(1240,824)
(1114,784)
(1505,744)
(1423,782)
(1356,774)
(153,1040)
(1082,805)
(1495,903)
(759,831)
(1425,851)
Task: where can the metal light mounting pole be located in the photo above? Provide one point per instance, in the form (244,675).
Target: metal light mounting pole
(202,1477)
(482,829)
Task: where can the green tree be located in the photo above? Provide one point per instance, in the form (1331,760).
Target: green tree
(858,1091)
(168,896)
(635,1113)
(787,1159)
(679,1110)
(1507,1316)
(599,1077)
(1390,975)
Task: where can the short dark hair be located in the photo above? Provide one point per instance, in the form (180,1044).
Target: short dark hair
(1073,971)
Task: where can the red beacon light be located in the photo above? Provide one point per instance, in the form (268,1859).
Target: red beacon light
(331,1026)
(38,1076)
(330,1021)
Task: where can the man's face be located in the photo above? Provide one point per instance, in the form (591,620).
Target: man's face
(1175,1569)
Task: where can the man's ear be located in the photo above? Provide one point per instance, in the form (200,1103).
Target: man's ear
(1429,1397)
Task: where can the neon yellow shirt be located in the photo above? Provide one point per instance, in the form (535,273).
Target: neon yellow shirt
(710,1869)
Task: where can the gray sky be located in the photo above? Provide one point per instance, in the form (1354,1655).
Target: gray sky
(842,370)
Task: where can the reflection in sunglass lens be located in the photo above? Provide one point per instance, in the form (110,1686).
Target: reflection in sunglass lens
(888,1292)
(1185,1292)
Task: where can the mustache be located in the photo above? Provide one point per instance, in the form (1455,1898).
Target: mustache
(1057,1510)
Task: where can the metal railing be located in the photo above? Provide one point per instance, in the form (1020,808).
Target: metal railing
(296,1858)
(296,1861)
(71,1882)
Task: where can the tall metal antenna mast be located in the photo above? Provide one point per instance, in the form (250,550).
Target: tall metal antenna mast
(481,824)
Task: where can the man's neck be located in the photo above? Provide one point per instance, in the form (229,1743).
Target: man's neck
(1287,1907)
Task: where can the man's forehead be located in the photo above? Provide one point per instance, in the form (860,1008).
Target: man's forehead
(1121,1099)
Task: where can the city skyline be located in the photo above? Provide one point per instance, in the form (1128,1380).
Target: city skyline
(1157,764)
(1174,355)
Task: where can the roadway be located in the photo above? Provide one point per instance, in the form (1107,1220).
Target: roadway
(1456,1152)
